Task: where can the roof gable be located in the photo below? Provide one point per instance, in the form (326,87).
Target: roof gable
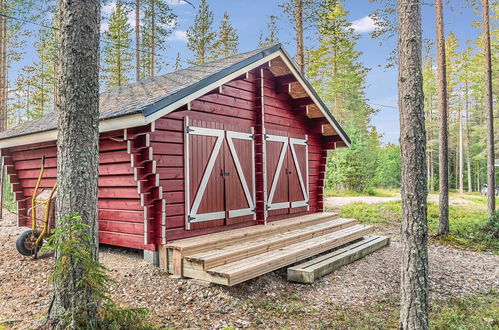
(144,101)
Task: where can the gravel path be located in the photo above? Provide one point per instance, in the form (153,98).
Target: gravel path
(180,303)
(338,202)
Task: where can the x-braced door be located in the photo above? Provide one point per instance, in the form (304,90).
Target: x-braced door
(219,174)
(287,174)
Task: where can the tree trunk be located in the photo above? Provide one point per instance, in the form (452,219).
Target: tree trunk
(77,143)
(3,90)
(443,217)
(152,37)
(468,136)
(461,155)
(414,233)
(137,40)
(298,14)
(3,67)
(491,199)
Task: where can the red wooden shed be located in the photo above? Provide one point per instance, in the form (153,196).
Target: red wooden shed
(232,143)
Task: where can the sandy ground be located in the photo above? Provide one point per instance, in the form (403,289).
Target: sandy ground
(181,303)
(338,202)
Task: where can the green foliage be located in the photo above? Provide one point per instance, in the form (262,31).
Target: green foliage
(480,312)
(272,36)
(389,212)
(201,36)
(468,228)
(227,42)
(354,168)
(335,69)
(73,243)
(156,24)
(117,55)
(9,202)
(389,171)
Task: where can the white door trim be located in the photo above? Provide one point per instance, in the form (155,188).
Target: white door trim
(285,141)
(192,215)
(249,198)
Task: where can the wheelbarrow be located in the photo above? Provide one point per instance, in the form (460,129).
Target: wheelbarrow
(30,241)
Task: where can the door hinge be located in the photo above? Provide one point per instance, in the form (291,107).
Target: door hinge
(265,136)
(267,207)
(189,218)
(188,129)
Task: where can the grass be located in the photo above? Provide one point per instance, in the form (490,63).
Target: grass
(469,228)
(471,312)
(375,193)
(481,200)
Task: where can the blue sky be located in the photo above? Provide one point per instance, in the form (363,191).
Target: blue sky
(251,17)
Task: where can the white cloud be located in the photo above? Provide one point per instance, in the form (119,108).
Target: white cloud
(363,25)
(108,8)
(176,2)
(179,35)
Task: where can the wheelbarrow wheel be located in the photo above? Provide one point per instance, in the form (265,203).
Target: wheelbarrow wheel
(25,243)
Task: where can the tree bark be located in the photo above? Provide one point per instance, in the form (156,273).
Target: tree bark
(137,40)
(491,199)
(468,135)
(443,217)
(3,67)
(414,231)
(153,26)
(3,91)
(77,143)
(298,14)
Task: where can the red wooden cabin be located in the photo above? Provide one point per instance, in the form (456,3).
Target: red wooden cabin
(236,142)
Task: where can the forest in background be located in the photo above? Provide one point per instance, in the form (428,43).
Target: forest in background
(331,62)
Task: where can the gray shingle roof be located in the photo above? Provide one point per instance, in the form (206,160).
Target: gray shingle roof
(149,95)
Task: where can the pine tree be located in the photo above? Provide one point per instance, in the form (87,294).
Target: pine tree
(301,15)
(178,64)
(227,40)
(414,230)
(272,36)
(335,69)
(443,217)
(117,56)
(338,76)
(201,36)
(157,24)
(491,182)
(77,160)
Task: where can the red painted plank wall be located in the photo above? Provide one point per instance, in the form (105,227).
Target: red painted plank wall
(236,103)
(233,106)
(283,118)
(121,215)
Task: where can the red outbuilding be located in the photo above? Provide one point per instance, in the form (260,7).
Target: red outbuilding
(236,142)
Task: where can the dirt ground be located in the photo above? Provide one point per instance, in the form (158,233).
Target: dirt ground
(263,302)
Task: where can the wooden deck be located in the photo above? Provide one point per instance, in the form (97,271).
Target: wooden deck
(234,256)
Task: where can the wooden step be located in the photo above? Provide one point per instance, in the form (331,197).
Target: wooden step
(235,236)
(309,271)
(218,257)
(245,269)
